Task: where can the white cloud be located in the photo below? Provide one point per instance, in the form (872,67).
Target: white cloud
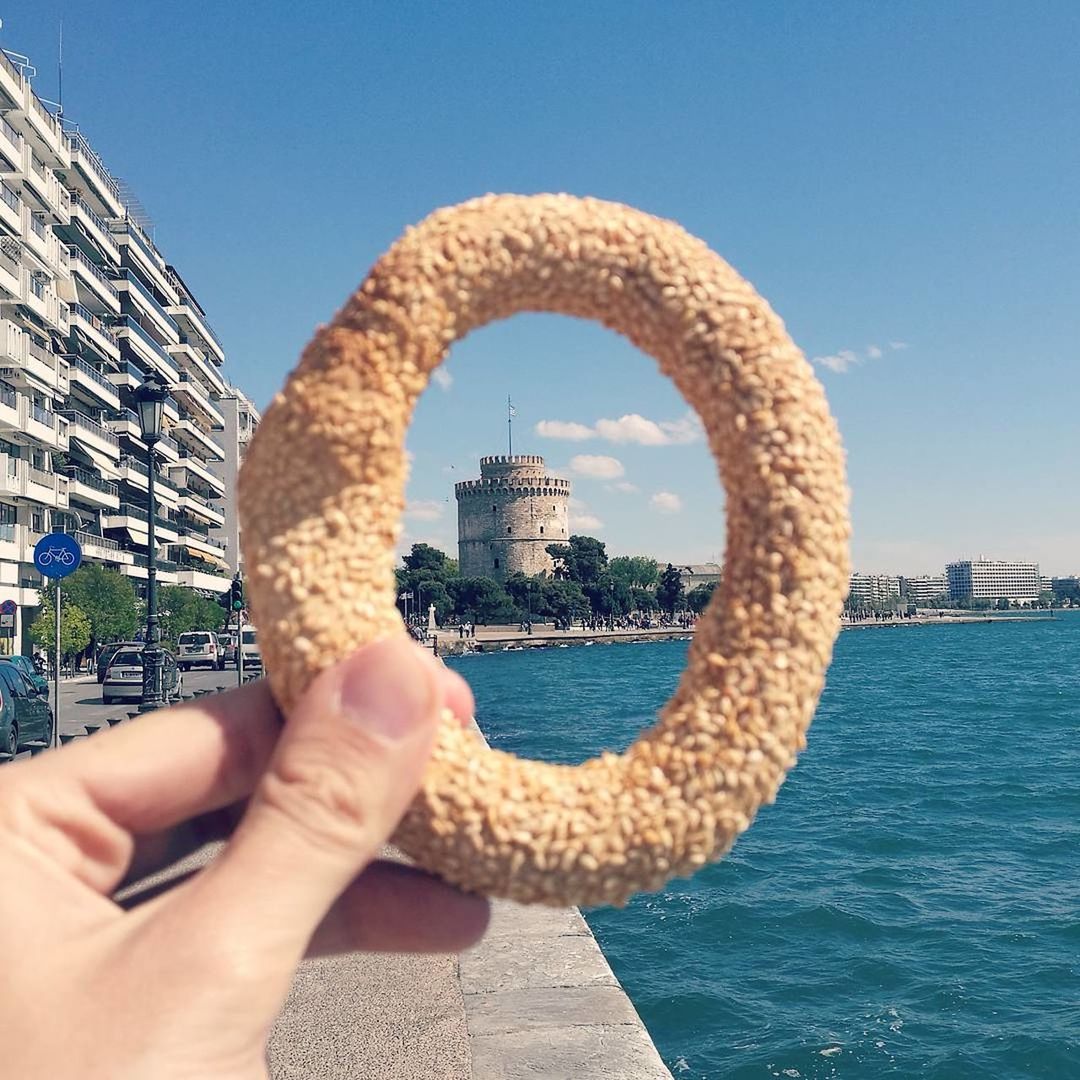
(846,359)
(624,487)
(442,378)
(424,510)
(596,466)
(564,429)
(585,521)
(666,502)
(630,428)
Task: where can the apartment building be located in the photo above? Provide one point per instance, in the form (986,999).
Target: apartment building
(88,308)
(993,579)
(241,421)
(924,588)
(873,588)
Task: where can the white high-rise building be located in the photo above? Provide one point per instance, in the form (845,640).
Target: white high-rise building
(874,588)
(88,308)
(241,420)
(993,579)
(924,588)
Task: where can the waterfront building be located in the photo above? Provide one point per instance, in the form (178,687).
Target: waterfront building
(993,579)
(874,588)
(88,307)
(924,588)
(241,420)
(694,574)
(1066,588)
(508,517)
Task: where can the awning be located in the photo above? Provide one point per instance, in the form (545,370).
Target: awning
(99,459)
(202,556)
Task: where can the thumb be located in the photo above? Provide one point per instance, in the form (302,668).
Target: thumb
(347,765)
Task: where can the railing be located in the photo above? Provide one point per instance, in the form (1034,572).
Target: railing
(37,286)
(89,317)
(8,396)
(133,279)
(128,227)
(37,226)
(37,165)
(81,365)
(88,479)
(80,419)
(46,116)
(40,476)
(7,531)
(77,141)
(131,510)
(11,254)
(9,197)
(95,271)
(161,564)
(81,206)
(126,322)
(12,70)
(87,539)
(134,463)
(12,135)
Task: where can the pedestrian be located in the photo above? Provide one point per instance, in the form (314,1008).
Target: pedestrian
(304,809)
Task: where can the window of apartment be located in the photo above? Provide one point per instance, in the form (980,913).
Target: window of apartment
(37,522)
(8,514)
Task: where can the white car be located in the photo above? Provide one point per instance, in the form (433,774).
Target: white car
(199,647)
(249,648)
(124,677)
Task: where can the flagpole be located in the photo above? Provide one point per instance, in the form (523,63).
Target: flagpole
(510,425)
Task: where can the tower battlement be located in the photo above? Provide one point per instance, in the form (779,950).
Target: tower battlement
(507,518)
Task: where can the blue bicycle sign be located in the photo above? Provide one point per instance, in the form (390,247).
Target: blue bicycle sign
(56,555)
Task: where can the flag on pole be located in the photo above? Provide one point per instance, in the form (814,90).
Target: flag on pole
(513,411)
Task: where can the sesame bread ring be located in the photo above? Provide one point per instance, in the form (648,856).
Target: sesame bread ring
(322,490)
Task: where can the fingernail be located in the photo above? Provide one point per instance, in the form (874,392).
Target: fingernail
(390,689)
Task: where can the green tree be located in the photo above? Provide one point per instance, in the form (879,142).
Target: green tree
(481,600)
(642,599)
(699,596)
(181,610)
(564,599)
(106,597)
(583,559)
(637,571)
(425,576)
(669,591)
(74,628)
(426,557)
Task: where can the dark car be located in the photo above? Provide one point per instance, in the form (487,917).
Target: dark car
(25,716)
(124,678)
(108,652)
(30,672)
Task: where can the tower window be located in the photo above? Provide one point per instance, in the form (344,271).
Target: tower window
(493,507)
(496,564)
(509,529)
(541,530)
(553,508)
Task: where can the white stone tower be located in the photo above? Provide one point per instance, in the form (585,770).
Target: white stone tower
(507,518)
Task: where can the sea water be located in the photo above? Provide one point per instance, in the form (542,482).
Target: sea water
(909,907)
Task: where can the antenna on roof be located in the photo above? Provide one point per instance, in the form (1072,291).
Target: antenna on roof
(60,74)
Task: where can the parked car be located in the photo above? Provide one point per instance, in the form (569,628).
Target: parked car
(249,648)
(124,677)
(30,672)
(198,647)
(25,716)
(227,648)
(108,652)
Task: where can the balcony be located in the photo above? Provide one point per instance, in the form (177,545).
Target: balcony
(195,505)
(103,549)
(10,418)
(141,255)
(39,238)
(136,520)
(11,207)
(11,143)
(11,267)
(41,185)
(196,360)
(94,333)
(203,580)
(20,479)
(146,305)
(38,295)
(192,392)
(197,468)
(94,383)
(94,229)
(13,341)
(92,168)
(92,433)
(145,347)
(47,427)
(89,489)
(46,366)
(192,438)
(44,129)
(93,277)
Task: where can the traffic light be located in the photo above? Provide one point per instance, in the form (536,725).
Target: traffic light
(236,594)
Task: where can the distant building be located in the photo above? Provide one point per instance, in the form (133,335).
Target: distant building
(1066,588)
(874,588)
(508,517)
(993,579)
(241,419)
(924,588)
(694,574)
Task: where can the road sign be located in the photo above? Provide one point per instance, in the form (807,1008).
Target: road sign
(8,607)
(56,555)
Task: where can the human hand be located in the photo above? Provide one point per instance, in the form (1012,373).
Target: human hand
(188,982)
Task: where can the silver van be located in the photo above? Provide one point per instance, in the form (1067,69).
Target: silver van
(198,647)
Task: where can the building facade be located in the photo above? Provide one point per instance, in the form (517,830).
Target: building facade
(993,579)
(241,420)
(507,518)
(695,574)
(88,308)
(924,588)
(874,588)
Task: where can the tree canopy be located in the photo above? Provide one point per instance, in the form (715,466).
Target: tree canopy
(107,599)
(74,628)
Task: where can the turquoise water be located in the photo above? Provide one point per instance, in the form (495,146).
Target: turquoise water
(910,907)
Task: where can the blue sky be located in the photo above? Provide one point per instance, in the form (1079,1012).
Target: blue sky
(904,174)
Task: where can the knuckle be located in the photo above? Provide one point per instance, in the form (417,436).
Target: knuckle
(329,797)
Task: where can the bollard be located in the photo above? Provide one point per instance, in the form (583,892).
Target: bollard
(66,737)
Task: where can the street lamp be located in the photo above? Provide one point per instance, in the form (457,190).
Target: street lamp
(150,405)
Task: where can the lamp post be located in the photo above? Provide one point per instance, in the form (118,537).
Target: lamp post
(150,403)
